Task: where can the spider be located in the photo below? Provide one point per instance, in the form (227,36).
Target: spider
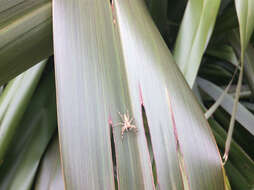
(126,123)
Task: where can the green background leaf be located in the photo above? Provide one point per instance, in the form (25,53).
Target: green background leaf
(193,36)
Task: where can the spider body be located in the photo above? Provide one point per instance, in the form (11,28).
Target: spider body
(127,123)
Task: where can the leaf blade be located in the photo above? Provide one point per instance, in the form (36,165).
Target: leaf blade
(31,138)
(23,91)
(243,116)
(151,72)
(194,35)
(25,37)
(50,175)
(100,93)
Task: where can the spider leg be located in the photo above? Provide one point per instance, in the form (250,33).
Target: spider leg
(117,124)
(122,132)
(127,113)
(121,116)
(134,128)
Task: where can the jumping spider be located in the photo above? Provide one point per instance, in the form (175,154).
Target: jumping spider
(127,123)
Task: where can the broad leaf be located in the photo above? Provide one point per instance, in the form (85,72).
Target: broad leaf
(157,76)
(91,91)
(118,68)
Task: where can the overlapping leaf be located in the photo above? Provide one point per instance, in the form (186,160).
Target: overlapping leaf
(31,138)
(240,160)
(147,57)
(25,36)
(243,116)
(245,13)
(13,103)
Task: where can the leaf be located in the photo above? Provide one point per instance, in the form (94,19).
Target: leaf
(224,52)
(5,4)
(248,59)
(243,116)
(217,103)
(1,89)
(249,67)
(50,176)
(238,160)
(194,34)
(164,96)
(232,120)
(118,68)
(249,106)
(238,157)
(227,184)
(31,138)
(94,88)
(241,135)
(13,103)
(245,13)
(25,37)
(237,180)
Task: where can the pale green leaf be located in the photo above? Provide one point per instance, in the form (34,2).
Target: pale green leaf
(14,101)
(31,138)
(245,13)
(194,34)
